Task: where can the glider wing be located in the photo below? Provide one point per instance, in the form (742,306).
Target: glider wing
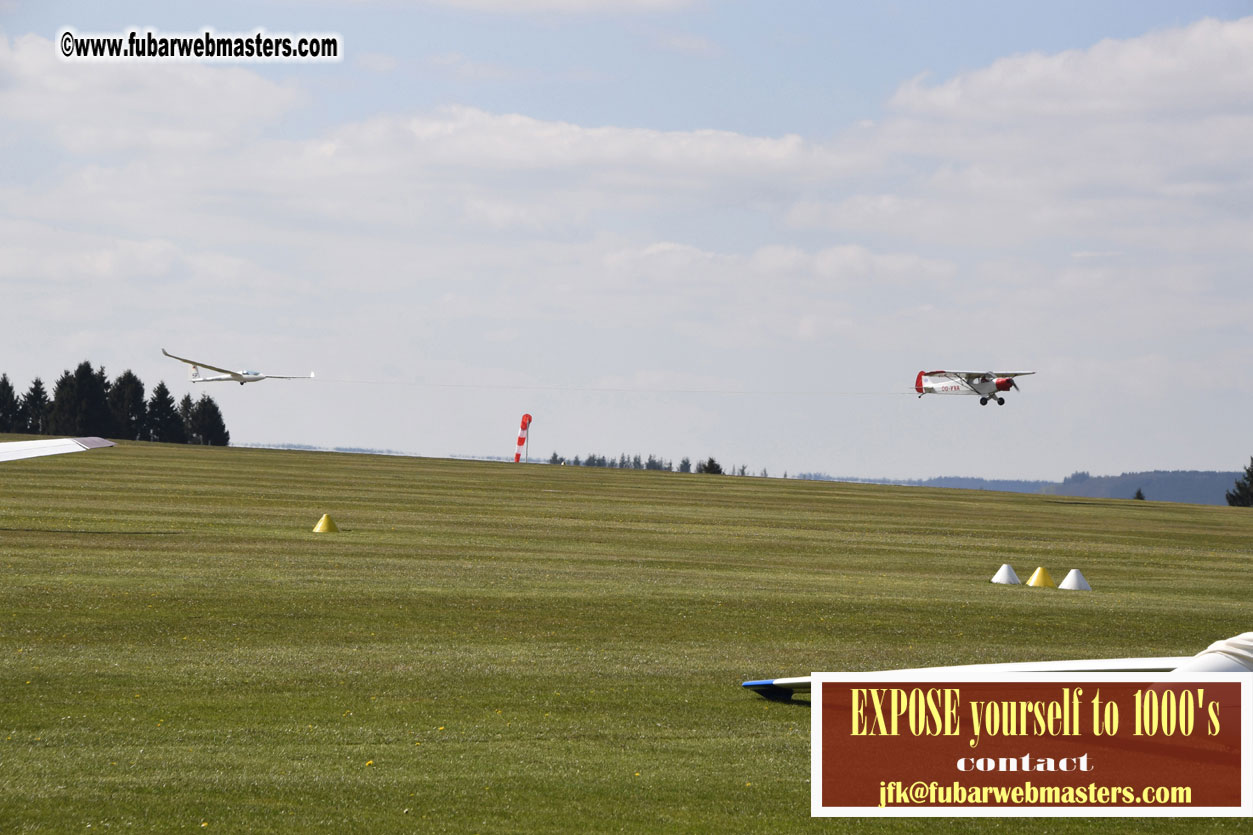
(17,450)
(201,364)
(785,688)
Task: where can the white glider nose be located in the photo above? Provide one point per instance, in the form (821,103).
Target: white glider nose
(1234,655)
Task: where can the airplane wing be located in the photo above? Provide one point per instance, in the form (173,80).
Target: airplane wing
(17,450)
(970,376)
(201,364)
(309,376)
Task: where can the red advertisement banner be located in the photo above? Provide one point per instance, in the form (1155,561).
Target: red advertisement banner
(1082,744)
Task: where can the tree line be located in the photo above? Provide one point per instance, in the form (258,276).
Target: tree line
(86,402)
(709,466)
(1240,496)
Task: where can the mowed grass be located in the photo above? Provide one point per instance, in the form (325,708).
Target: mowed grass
(497,648)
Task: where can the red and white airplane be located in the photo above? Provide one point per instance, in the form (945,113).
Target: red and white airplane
(987,385)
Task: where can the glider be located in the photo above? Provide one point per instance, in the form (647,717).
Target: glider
(17,450)
(225,375)
(1232,655)
(988,385)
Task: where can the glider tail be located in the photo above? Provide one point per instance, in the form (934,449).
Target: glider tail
(918,382)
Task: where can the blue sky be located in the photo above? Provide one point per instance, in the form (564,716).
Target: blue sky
(596,211)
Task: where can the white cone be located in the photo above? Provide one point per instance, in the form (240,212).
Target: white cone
(1006,576)
(1075,581)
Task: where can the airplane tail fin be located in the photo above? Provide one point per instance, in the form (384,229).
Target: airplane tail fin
(918,382)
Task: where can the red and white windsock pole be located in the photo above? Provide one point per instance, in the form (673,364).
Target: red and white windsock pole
(522,443)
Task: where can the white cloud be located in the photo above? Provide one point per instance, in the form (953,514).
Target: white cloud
(1203,68)
(100,107)
(471,137)
(1128,145)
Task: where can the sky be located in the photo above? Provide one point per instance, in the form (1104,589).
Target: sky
(683,228)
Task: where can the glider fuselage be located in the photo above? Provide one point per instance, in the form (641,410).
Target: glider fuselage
(240,377)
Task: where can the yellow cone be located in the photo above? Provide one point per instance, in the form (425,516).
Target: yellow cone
(1041,579)
(327,525)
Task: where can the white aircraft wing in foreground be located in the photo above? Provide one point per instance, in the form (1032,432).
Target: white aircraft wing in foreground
(226,375)
(986,385)
(17,450)
(1232,655)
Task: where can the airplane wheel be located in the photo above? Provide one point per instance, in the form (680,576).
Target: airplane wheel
(983,401)
(1000,401)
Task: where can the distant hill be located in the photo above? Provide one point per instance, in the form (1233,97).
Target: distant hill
(1188,486)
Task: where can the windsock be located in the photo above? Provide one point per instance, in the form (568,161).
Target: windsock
(526,424)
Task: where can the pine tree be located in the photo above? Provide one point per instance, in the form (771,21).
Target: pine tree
(9,406)
(33,415)
(1242,494)
(207,424)
(80,403)
(185,407)
(165,424)
(1139,496)
(685,465)
(63,410)
(710,467)
(127,407)
(93,394)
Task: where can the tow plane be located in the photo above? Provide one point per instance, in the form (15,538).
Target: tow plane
(986,385)
(226,375)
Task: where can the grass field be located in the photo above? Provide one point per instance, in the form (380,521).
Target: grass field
(499,648)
